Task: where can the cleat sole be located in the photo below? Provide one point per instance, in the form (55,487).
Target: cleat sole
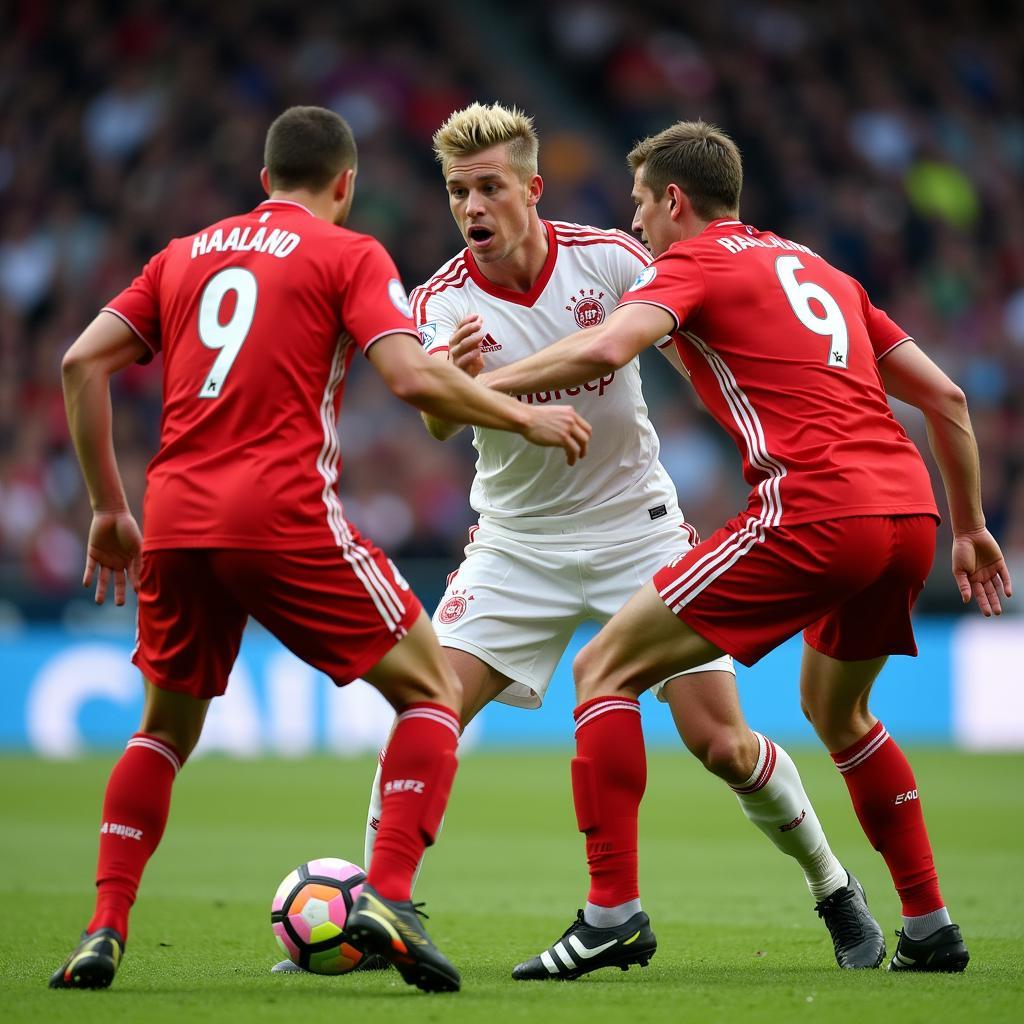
(623,963)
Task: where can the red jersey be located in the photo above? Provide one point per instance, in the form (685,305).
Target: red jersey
(258,317)
(783,350)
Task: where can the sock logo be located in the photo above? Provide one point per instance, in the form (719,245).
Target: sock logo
(903,798)
(403,786)
(124,831)
(375,824)
(793,824)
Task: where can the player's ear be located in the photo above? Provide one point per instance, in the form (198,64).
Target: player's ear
(265,180)
(344,184)
(678,201)
(534,190)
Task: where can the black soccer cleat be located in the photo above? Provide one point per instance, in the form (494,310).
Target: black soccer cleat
(943,950)
(584,948)
(392,929)
(92,963)
(856,935)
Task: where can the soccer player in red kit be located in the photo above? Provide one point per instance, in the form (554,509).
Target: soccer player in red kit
(793,360)
(258,318)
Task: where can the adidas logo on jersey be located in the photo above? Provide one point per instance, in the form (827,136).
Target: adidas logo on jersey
(489,344)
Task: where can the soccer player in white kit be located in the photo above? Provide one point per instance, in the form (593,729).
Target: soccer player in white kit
(557,546)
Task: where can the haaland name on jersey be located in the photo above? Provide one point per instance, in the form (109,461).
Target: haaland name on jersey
(275,243)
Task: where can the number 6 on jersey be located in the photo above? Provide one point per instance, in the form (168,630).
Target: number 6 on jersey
(831,325)
(229,337)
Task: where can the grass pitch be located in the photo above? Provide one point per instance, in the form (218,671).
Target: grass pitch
(738,940)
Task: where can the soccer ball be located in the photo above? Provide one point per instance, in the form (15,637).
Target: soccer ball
(309,912)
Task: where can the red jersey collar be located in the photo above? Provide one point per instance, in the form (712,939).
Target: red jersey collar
(507,294)
(723,222)
(286,202)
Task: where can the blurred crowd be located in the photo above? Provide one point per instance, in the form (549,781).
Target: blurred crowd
(887,136)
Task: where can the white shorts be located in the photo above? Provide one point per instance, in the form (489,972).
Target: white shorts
(516,606)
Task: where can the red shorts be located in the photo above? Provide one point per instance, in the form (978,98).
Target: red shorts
(340,615)
(848,583)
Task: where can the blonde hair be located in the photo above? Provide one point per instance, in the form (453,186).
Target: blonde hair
(481,126)
(698,157)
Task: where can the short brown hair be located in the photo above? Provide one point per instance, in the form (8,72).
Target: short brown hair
(306,147)
(698,157)
(480,126)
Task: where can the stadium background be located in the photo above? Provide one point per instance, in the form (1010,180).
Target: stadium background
(887,136)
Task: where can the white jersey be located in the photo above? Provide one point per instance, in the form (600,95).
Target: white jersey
(619,489)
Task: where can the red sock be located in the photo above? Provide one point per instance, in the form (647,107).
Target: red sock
(135,810)
(884,792)
(416,778)
(609,775)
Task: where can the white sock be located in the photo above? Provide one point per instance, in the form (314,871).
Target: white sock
(373,813)
(610,917)
(773,798)
(373,820)
(922,925)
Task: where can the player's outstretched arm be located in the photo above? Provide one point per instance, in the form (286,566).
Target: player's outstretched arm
(464,353)
(586,355)
(436,387)
(978,564)
(104,347)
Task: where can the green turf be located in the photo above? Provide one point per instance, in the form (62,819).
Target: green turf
(738,940)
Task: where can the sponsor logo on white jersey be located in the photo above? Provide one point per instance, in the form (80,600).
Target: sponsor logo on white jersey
(428,333)
(542,397)
(488,344)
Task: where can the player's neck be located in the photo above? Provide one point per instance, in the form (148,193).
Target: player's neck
(519,270)
(318,204)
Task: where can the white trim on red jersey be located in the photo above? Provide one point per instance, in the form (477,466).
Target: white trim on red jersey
(682,590)
(379,589)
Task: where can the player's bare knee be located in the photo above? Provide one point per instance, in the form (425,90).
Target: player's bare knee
(586,677)
(440,686)
(726,755)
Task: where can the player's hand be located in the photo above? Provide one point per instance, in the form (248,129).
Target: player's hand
(464,345)
(559,426)
(980,570)
(115,549)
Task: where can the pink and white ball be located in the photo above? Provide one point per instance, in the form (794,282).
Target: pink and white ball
(309,912)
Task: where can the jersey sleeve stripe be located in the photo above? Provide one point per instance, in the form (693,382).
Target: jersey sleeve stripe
(384,334)
(453,275)
(894,345)
(650,302)
(145,341)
